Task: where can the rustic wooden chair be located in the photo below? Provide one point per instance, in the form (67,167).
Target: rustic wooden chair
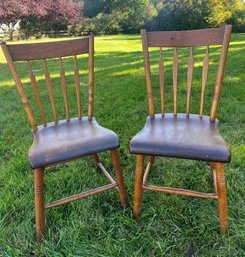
(187,136)
(63,140)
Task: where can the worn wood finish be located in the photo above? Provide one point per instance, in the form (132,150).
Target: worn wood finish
(64,89)
(148,74)
(39,202)
(179,191)
(19,86)
(138,189)
(119,177)
(175,79)
(174,39)
(220,74)
(50,91)
(222,198)
(80,196)
(39,51)
(161,79)
(36,93)
(188,38)
(189,81)
(204,79)
(78,89)
(91,78)
(43,52)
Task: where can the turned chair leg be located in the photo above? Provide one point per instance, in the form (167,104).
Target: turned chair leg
(138,190)
(222,198)
(119,177)
(39,202)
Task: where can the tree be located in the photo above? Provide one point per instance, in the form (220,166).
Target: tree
(38,15)
(227,11)
(58,12)
(11,12)
(183,14)
(196,14)
(113,16)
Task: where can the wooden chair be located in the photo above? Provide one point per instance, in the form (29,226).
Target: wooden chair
(63,140)
(187,136)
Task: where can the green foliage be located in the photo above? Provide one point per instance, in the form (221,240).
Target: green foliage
(196,14)
(97,226)
(111,16)
(35,27)
(224,11)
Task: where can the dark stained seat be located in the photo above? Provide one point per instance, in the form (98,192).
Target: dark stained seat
(181,137)
(68,140)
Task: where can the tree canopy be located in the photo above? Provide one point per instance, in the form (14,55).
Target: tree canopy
(38,14)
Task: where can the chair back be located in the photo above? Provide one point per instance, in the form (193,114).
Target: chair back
(183,39)
(42,52)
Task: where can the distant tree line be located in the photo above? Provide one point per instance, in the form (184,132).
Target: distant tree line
(129,16)
(34,17)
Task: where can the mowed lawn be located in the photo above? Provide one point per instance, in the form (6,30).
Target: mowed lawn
(170,225)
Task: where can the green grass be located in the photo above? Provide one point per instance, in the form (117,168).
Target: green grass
(97,226)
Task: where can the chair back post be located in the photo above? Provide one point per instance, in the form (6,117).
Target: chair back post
(19,86)
(148,74)
(220,74)
(91,78)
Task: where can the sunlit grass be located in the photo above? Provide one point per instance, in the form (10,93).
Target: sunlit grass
(97,226)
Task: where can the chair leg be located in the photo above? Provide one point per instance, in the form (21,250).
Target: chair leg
(119,177)
(97,160)
(138,190)
(222,198)
(39,202)
(213,174)
(151,160)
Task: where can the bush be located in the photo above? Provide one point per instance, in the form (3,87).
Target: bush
(101,24)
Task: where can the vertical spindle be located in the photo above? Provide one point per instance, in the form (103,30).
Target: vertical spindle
(161,79)
(64,89)
(91,78)
(204,79)
(50,90)
(78,91)
(189,81)
(175,79)
(36,93)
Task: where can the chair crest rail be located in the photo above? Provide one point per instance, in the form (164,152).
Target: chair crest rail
(178,39)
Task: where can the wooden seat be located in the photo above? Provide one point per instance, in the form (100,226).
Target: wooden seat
(69,140)
(189,137)
(62,140)
(179,135)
